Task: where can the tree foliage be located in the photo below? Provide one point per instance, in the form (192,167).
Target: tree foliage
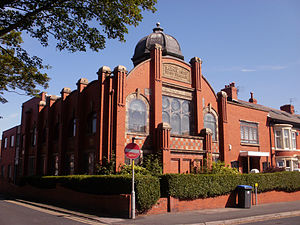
(75,24)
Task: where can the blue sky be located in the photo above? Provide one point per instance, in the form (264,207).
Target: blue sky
(254,43)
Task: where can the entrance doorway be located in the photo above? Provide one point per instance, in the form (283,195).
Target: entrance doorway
(250,163)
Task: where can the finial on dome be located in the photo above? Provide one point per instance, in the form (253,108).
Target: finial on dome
(158,28)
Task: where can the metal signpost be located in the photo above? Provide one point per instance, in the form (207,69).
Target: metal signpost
(256,185)
(132,151)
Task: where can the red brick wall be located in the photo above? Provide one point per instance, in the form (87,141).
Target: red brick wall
(165,205)
(8,153)
(117,205)
(235,114)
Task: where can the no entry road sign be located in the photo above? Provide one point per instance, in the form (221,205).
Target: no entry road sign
(132,151)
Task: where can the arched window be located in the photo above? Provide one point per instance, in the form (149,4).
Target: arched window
(72,127)
(210,122)
(137,112)
(92,123)
(33,136)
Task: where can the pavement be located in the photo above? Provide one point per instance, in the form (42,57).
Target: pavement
(201,217)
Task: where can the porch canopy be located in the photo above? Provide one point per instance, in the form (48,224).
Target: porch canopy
(253,154)
(249,154)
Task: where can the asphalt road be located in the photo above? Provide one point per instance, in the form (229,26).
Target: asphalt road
(284,221)
(16,213)
(21,212)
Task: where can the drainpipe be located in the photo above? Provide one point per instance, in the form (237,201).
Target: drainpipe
(270,133)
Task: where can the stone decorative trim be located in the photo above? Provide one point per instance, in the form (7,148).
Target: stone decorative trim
(177,91)
(176,72)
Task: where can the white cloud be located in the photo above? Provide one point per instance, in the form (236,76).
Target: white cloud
(271,67)
(253,69)
(247,70)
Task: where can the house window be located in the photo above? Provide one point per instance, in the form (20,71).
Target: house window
(33,137)
(294,142)
(249,133)
(235,164)
(280,163)
(72,128)
(278,139)
(12,141)
(5,142)
(177,113)
(286,138)
(18,137)
(210,122)
(92,123)
(137,120)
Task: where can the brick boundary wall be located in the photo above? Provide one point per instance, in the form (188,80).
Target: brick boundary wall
(116,205)
(171,204)
(120,205)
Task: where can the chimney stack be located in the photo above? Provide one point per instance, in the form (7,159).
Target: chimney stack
(251,99)
(288,108)
(231,91)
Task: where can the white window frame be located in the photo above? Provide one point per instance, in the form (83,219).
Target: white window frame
(12,141)
(288,140)
(293,163)
(294,139)
(5,142)
(249,132)
(278,139)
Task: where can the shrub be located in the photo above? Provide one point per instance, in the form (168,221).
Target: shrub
(192,186)
(220,168)
(153,164)
(216,168)
(127,169)
(147,192)
(106,167)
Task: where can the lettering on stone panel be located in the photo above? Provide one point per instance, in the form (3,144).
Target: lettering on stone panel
(175,72)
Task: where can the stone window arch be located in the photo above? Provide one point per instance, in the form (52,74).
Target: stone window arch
(210,118)
(137,113)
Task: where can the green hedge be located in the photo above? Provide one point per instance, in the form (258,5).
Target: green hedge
(192,186)
(183,186)
(147,188)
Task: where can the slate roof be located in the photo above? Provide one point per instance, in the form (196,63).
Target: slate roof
(276,115)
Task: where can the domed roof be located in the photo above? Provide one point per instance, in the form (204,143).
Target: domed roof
(170,45)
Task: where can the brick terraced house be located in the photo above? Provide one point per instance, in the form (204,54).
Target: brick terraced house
(164,101)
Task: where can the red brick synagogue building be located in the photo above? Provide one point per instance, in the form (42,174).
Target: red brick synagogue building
(166,104)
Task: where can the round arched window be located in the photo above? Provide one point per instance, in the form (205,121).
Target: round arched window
(210,122)
(137,116)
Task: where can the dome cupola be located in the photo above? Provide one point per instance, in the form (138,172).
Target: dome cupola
(170,46)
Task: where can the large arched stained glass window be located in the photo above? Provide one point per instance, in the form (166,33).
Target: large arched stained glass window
(210,122)
(137,112)
(177,113)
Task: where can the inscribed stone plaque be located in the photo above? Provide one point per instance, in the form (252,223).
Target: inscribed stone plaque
(175,72)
